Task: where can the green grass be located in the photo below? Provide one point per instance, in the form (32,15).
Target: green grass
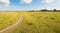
(7,19)
(38,22)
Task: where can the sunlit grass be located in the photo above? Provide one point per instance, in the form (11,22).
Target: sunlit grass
(39,22)
(7,19)
(34,22)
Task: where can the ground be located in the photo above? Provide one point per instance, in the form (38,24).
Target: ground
(36,22)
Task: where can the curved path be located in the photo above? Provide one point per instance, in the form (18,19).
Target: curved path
(10,28)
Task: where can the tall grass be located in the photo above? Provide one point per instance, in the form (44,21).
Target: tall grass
(39,22)
(7,19)
(33,22)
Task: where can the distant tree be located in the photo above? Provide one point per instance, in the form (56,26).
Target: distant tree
(44,10)
(54,10)
(32,11)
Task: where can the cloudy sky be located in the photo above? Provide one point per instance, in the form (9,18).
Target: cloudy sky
(29,4)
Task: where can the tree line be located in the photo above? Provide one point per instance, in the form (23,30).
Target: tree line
(45,10)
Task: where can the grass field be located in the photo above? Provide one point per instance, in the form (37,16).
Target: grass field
(34,22)
(7,19)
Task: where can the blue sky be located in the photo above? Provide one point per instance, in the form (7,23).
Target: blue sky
(29,4)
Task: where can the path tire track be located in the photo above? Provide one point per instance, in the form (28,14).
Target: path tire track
(10,28)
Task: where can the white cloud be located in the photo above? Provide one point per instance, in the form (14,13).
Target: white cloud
(26,1)
(4,2)
(47,1)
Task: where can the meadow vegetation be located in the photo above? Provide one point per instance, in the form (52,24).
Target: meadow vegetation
(33,22)
(39,22)
(7,19)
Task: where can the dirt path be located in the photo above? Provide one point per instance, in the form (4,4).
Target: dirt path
(10,28)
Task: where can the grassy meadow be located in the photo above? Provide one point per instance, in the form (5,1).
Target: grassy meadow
(33,22)
(7,19)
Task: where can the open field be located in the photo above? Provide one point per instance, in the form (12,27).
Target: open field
(7,19)
(34,22)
